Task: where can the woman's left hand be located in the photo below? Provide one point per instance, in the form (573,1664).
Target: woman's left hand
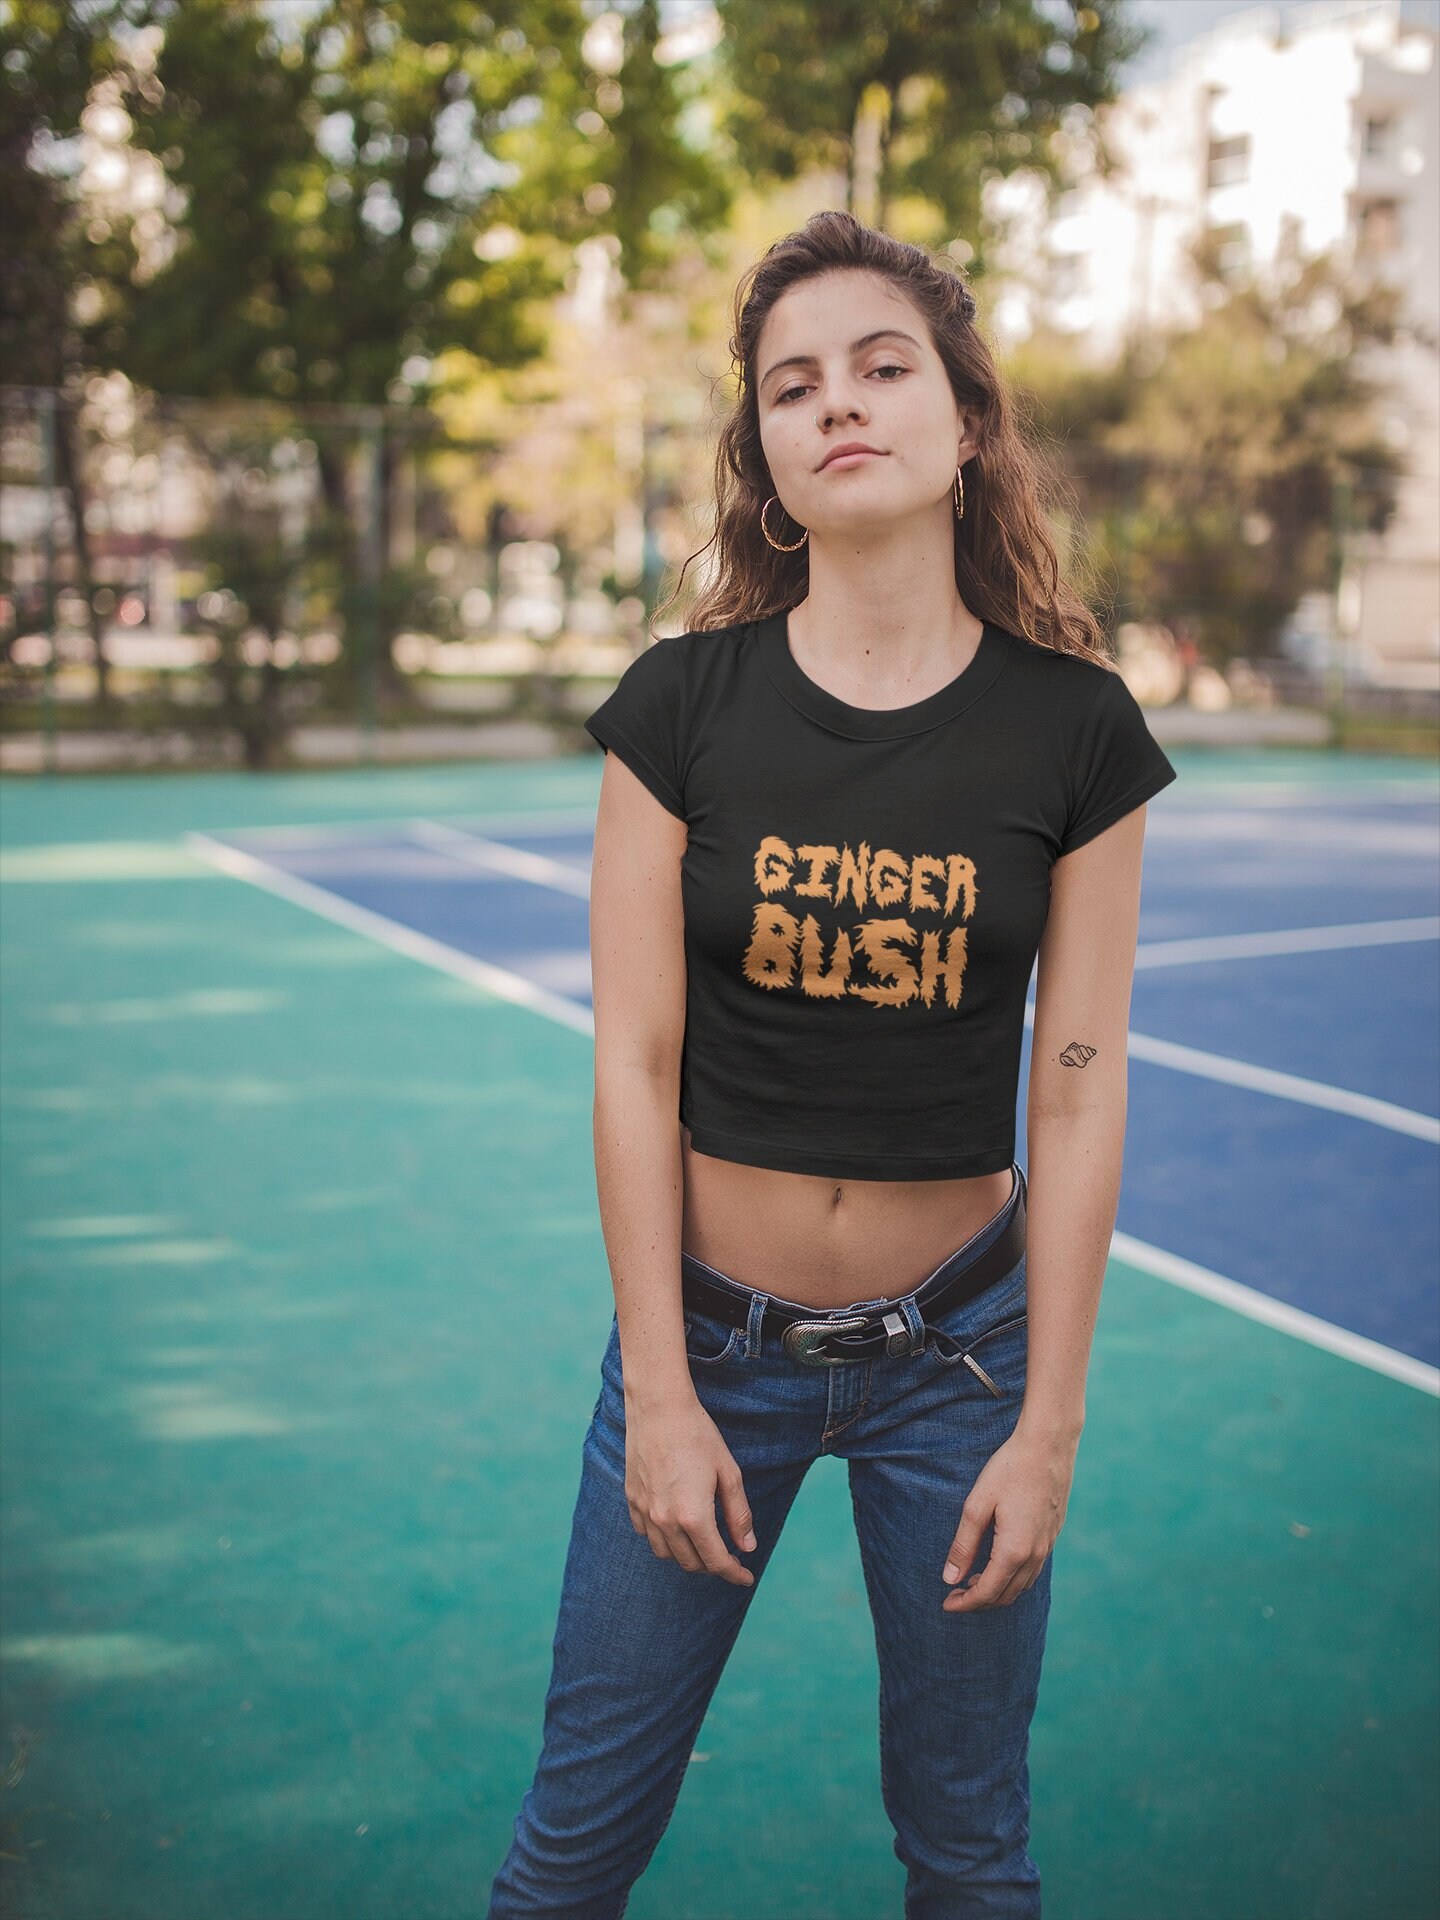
(1025,1487)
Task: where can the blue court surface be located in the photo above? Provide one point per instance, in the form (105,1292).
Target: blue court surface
(1285,1023)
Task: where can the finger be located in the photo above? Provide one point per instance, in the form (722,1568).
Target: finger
(1029,1571)
(736,1508)
(682,1547)
(1016,1585)
(1000,1571)
(717,1556)
(1011,1572)
(659,1545)
(962,1548)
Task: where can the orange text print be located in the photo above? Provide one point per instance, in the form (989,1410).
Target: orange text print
(909,946)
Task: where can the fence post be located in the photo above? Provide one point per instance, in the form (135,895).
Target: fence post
(47,465)
(371,563)
(1343,610)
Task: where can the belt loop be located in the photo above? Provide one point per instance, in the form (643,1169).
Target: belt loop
(754,1326)
(914,1321)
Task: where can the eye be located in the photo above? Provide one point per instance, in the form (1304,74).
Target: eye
(781,399)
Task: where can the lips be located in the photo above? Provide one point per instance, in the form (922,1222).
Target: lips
(848,447)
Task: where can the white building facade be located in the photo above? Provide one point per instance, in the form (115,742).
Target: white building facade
(1297,129)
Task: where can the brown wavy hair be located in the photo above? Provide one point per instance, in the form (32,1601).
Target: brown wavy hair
(1006,567)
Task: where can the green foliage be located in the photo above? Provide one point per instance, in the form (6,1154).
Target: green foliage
(376,204)
(667,191)
(52,55)
(357,189)
(917,104)
(1209,461)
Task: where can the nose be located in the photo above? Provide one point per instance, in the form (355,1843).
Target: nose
(848,407)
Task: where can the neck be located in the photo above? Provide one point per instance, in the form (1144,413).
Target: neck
(886,626)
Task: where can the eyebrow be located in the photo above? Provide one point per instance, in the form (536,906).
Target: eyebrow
(856,346)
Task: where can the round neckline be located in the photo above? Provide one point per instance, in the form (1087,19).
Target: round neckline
(876,723)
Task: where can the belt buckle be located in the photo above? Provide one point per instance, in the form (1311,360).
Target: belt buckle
(801,1340)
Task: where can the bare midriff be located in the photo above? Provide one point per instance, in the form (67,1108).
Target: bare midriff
(826,1242)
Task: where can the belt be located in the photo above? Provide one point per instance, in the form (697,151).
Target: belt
(878,1331)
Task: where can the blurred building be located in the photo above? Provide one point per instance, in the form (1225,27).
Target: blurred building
(1285,131)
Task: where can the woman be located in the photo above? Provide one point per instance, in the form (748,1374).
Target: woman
(838,819)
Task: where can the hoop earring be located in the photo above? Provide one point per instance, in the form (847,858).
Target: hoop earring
(778,546)
(957,494)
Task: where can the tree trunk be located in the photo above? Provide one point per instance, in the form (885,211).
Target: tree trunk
(332,477)
(72,485)
(391,684)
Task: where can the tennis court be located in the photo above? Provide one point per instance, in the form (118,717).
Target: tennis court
(304,1301)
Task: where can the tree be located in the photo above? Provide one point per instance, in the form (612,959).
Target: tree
(1212,455)
(391,183)
(52,57)
(917,104)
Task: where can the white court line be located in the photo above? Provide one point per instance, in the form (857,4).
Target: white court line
(1276,1313)
(391,933)
(543,871)
(1242,1073)
(522,992)
(539,820)
(540,870)
(1284,1086)
(1248,793)
(1251,946)
(495,857)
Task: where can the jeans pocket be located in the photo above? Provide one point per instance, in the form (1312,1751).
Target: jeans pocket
(995,1357)
(988,1338)
(709,1339)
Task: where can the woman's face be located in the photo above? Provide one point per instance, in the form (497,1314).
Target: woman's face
(822,380)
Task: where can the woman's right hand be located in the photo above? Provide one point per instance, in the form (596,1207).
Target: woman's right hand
(676,1463)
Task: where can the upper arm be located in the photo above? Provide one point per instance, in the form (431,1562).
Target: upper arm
(637,939)
(1086,968)
(637,943)
(1087,951)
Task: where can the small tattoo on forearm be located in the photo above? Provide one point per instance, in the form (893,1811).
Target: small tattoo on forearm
(1076,1054)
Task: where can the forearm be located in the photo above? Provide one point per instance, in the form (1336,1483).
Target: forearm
(1072,1195)
(640,1182)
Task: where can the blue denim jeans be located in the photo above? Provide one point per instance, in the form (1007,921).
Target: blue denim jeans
(640,1644)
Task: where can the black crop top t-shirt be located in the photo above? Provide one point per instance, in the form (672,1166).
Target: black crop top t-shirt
(864,890)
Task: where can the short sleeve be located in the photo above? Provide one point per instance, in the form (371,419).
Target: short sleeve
(1116,766)
(642,722)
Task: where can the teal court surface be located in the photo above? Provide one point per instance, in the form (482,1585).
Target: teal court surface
(304,1301)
